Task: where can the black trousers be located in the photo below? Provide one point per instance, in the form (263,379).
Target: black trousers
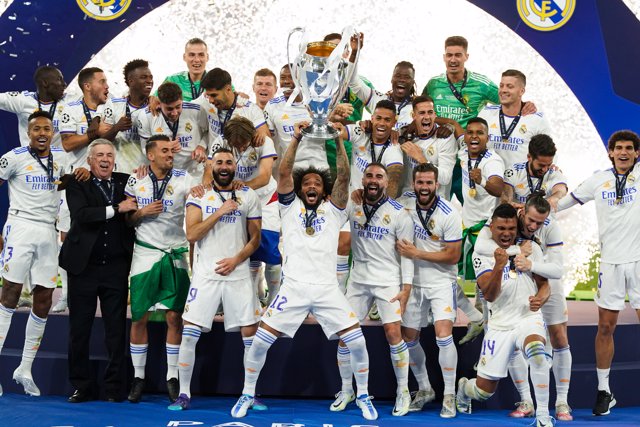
(109,284)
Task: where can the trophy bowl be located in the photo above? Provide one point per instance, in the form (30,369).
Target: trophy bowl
(320,72)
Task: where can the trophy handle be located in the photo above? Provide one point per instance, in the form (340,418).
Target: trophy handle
(293,67)
(347,32)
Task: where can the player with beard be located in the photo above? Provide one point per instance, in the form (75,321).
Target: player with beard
(311,220)
(379,275)
(428,147)
(535,224)
(615,193)
(514,298)
(536,175)
(265,86)
(437,236)
(225,226)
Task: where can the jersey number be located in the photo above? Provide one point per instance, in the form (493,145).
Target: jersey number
(278,302)
(488,345)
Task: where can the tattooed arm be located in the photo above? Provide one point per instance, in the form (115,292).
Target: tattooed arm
(395,175)
(340,193)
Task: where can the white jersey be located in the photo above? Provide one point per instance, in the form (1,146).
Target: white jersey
(516,177)
(73,121)
(192,126)
(442,153)
(370,97)
(386,153)
(281,119)
(310,258)
(512,304)
(375,259)
(216,119)
(228,236)
(23,104)
(480,207)
(32,194)
(444,226)
(618,223)
(130,153)
(165,230)
(514,150)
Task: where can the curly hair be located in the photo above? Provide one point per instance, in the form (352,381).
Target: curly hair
(325,175)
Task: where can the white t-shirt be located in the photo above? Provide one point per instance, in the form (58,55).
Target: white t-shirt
(516,177)
(375,258)
(281,119)
(442,153)
(164,230)
(512,303)
(310,258)
(130,153)
(228,236)
(32,194)
(192,128)
(445,226)
(516,148)
(618,223)
(73,121)
(387,153)
(480,207)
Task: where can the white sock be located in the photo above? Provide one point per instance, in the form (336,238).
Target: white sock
(257,278)
(273,275)
(465,305)
(519,372)
(562,361)
(247,341)
(539,364)
(418,363)
(472,391)
(187,357)
(262,342)
(5,322)
(342,271)
(603,379)
(448,359)
(138,358)
(344,367)
(400,362)
(359,359)
(173,352)
(32,338)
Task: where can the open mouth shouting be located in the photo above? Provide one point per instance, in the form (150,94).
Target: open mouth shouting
(425,196)
(372,192)
(224,177)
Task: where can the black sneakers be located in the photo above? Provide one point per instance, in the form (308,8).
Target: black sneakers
(137,388)
(604,402)
(173,389)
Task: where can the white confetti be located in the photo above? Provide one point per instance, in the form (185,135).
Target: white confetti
(13,55)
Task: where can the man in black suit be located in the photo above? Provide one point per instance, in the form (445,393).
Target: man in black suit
(97,255)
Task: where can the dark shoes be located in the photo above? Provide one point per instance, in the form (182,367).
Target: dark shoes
(604,402)
(80,396)
(136,390)
(173,389)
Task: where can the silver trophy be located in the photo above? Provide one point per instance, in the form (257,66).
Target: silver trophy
(321,73)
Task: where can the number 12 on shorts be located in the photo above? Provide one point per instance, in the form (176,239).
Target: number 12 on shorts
(488,345)
(278,302)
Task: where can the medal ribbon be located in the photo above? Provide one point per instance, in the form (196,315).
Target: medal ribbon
(373,150)
(621,181)
(425,221)
(52,109)
(309,218)
(49,166)
(538,186)
(506,133)
(87,112)
(173,128)
(233,194)
(158,192)
(196,92)
(99,183)
(472,183)
(369,211)
(455,92)
(228,115)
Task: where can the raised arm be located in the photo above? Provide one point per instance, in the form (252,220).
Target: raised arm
(340,193)
(285,171)
(490,282)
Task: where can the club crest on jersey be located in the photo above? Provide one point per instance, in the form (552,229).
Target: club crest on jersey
(431,224)
(386,220)
(55,166)
(169,190)
(631,179)
(104,10)
(238,201)
(431,151)
(6,268)
(546,15)
(188,127)
(523,129)
(253,156)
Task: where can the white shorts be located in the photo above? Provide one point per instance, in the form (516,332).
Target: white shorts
(361,298)
(30,252)
(64,215)
(295,300)
(555,311)
(441,301)
(498,346)
(241,305)
(616,281)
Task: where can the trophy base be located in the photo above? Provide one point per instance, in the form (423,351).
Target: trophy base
(320,132)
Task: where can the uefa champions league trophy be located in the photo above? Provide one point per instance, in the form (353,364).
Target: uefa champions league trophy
(320,72)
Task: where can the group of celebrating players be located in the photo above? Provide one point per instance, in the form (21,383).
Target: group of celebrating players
(365,222)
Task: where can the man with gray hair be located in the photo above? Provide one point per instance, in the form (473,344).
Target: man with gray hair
(97,256)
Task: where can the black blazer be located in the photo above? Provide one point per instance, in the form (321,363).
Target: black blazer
(88,216)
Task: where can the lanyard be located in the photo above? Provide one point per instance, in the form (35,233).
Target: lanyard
(458,93)
(99,183)
(52,109)
(373,151)
(228,115)
(233,194)
(425,221)
(196,92)
(172,127)
(506,133)
(87,112)
(621,181)
(158,192)
(49,167)
(533,189)
(309,216)
(472,183)
(369,211)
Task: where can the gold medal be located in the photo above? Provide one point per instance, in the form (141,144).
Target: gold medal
(618,200)
(473,192)
(505,139)
(513,274)
(57,182)
(310,231)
